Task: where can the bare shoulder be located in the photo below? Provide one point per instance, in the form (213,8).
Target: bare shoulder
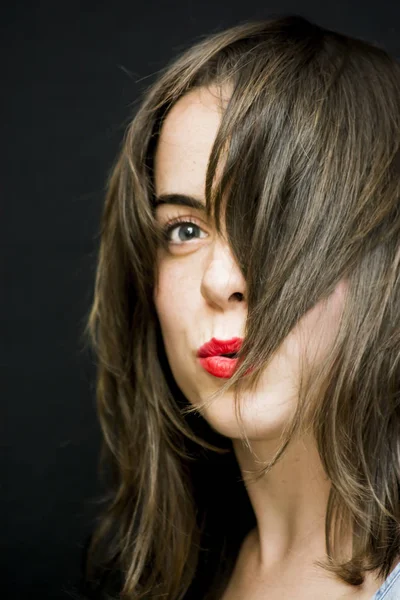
(244,568)
(247,583)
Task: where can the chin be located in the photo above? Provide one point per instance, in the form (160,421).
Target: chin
(262,420)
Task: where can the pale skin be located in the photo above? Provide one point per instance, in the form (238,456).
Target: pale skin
(196,299)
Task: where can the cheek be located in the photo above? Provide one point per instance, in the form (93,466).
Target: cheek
(164,296)
(172,295)
(316,331)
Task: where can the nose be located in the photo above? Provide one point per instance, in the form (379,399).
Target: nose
(223,284)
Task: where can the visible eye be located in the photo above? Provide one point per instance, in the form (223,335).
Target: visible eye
(181,230)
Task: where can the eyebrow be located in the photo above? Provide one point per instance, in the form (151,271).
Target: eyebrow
(180,200)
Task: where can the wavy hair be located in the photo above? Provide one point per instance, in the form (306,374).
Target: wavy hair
(310,188)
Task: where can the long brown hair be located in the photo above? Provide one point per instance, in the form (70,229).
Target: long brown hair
(310,187)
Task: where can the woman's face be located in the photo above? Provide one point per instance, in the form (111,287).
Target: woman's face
(199,289)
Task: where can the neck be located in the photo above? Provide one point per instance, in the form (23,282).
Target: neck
(289,502)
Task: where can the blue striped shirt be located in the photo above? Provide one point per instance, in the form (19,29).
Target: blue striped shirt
(390,588)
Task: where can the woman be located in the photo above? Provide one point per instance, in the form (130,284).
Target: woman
(246,323)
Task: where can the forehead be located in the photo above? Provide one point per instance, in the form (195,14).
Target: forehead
(185,143)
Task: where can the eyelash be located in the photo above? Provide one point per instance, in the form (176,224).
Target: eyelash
(171,225)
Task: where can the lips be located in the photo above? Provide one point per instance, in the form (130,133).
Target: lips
(217,347)
(212,356)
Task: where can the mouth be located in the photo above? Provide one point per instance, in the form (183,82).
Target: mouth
(219,357)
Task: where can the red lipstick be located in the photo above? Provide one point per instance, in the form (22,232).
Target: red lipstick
(212,356)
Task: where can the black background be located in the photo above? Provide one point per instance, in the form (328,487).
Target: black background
(71,76)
